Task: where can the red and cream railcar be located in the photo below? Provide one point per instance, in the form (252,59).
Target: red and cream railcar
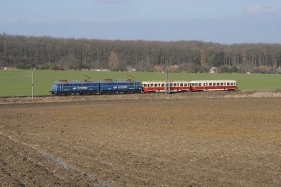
(163,86)
(213,85)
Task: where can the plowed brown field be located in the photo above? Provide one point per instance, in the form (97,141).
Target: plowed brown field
(146,141)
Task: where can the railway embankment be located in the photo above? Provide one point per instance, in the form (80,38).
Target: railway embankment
(152,96)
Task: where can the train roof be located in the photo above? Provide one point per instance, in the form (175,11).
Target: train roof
(120,81)
(213,81)
(73,81)
(163,81)
(83,81)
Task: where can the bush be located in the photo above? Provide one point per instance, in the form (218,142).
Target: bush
(24,66)
(233,69)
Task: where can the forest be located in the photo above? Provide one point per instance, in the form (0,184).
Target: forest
(26,52)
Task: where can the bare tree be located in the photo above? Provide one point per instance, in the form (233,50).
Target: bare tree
(113,61)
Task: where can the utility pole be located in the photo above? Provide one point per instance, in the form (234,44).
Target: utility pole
(31,75)
(167,84)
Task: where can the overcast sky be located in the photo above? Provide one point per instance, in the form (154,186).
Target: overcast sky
(222,21)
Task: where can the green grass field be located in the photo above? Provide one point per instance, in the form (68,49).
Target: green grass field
(19,82)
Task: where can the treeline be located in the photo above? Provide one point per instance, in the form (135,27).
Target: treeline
(25,52)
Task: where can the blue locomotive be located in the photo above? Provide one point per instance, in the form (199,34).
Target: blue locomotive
(69,87)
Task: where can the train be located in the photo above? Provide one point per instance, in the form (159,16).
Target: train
(69,87)
(109,86)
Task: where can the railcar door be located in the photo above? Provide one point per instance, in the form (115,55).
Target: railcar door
(137,88)
(60,89)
